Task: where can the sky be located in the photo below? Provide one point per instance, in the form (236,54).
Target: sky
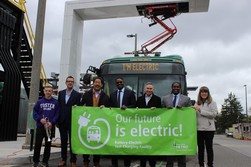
(215,45)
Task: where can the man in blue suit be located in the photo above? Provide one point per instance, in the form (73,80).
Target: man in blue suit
(176,99)
(122,98)
(67,98)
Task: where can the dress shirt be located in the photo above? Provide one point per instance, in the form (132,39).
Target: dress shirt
(148,98)
(67,96)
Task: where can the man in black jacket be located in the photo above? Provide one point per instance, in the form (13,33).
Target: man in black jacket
(67,98)
(122,98)
(96,98)
(148,100)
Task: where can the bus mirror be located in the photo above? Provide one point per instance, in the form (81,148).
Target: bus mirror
(157,54)
(87,79)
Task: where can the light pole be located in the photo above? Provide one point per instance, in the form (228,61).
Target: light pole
(36,66)
(134,36)
(246,101)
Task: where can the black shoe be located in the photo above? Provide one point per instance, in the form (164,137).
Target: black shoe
(35,164)
(44,164)
(62,163)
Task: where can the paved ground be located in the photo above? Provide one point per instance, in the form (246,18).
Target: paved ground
(11,152)
(228,153)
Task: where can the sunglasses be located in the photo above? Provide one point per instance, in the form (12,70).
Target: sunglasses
(70,81)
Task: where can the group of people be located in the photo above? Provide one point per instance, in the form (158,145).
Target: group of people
(50,112)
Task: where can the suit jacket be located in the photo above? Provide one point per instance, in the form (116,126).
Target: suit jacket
(87,99)
(155,101)
(128,100)
(65,108)
(184,101)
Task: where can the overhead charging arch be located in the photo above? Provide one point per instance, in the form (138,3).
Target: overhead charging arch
(77,12)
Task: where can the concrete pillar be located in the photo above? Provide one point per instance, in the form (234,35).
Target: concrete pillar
(71,51)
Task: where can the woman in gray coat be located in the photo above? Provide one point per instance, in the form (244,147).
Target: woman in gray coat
(206,112)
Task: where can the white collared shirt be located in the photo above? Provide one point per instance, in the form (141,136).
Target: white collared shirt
(97,94)
(148,98)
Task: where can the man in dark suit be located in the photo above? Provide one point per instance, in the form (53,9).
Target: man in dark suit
(67,98)
(148,100)
(96,98)
(175,99)
(122,98)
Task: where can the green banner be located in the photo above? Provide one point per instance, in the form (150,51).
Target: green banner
(134,131)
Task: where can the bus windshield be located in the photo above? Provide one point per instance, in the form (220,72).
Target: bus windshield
(162,83)
(137,71)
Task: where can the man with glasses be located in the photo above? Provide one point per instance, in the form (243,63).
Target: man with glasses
(122,98)
(67,98)
(95,98)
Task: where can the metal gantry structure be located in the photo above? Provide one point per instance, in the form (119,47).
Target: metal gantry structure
(16,57)
(157,14)
(9,41)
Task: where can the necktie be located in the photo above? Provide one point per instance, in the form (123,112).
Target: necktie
(174,100)
(118,99)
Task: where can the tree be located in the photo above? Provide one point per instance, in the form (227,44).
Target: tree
(231,113)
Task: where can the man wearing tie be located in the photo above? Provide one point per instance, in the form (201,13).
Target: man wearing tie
(175,99)
(122,98)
